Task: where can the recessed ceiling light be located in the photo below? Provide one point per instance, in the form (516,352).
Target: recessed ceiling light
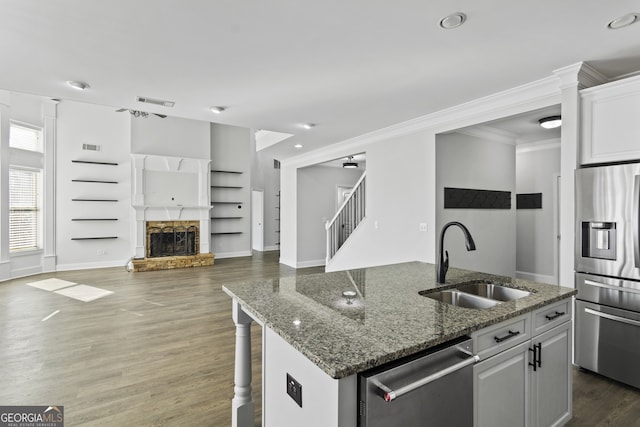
(297,146)
(217,110)
(624,21)
(453,20)
(308,125)
(78,85)
(550,122)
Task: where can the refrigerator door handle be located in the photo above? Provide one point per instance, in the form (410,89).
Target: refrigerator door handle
(636,221)
(612,317)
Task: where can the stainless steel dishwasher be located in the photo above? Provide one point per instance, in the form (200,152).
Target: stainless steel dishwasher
(433,388)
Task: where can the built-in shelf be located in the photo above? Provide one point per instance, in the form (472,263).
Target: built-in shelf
(222,171)
(94,200)
(225,186)
(94,238)
(95,181)
(94,163)
(217,233)
(94,219)
(226,203)
(227,217)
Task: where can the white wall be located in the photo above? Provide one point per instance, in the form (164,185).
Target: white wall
(465,161)
(317,193)
(171,136)
(231,151)
(399,198)
(80,123)
(536,172)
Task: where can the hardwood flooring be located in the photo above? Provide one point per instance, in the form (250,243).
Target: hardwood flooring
(160,350)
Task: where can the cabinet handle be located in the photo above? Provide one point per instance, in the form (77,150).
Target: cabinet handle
(539,345)
(555,316)
(511,334)
(535,358)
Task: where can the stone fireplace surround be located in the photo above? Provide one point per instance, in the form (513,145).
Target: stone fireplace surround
(170,190)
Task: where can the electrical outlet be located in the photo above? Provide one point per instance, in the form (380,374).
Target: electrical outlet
(101,252)
(294,389)
(423,226)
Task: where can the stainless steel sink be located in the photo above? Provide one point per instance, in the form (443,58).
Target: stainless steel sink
(461,299)
(494,291)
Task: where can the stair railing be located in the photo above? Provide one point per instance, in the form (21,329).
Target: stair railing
(349,215)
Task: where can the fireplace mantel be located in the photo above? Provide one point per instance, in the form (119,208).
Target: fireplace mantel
(166,188)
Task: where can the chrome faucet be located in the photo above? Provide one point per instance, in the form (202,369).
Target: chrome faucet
(443,262)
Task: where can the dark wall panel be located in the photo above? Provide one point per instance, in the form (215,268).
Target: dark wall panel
(464,198)
(529,201)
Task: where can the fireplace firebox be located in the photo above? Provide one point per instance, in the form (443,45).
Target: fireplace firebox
(172,241)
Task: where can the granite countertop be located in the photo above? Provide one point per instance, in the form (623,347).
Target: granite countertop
(388,319)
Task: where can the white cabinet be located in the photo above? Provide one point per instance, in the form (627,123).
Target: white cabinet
(529,383)
(610,122)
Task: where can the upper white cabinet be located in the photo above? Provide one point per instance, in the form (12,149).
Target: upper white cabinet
(610,117)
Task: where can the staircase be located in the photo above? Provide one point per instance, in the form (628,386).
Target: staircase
(345,221)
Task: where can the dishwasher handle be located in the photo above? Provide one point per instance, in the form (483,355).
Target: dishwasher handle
(389,395)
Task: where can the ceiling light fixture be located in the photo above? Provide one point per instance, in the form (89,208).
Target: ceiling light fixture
(217,110)
(550,122)
(308,125)
(624,21)
(350,164)
(78,85)
(453,20)
(297,146)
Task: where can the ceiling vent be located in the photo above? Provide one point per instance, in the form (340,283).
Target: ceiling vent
(155,101)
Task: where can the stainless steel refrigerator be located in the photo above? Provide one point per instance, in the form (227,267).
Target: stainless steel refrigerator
(607,264)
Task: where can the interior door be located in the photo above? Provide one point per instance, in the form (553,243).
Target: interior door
(257,220)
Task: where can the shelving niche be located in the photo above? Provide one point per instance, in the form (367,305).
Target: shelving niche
(97,199)
(225,193)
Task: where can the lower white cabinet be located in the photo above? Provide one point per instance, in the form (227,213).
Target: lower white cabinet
(528,384)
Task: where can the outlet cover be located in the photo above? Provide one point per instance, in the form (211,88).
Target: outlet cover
(294,389)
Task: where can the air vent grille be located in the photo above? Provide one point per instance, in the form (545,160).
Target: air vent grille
(91,147)
(276,164)
(153,101)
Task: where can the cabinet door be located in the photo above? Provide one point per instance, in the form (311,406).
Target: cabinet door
(501,389)
(610,125)
(551,382)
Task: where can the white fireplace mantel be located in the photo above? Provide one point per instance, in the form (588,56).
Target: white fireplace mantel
(166,188)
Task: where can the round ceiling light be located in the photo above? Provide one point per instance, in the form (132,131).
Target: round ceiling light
(624,21)
(550,122)
(308,125)
(78,85)
(453,20)
(217,110)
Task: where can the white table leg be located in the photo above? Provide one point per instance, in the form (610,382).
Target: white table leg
(242,403)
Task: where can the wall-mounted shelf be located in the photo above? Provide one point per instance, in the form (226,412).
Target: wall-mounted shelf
(94,181)
(224,186)
(94,200)
(94,163)
(223,171)
(227,217)
(94,219)
(217,233)
(94,238)
(225,203)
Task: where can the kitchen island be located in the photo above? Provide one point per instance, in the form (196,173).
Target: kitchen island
(326,328)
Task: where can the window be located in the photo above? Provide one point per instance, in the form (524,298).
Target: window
(24,209)
(25,138)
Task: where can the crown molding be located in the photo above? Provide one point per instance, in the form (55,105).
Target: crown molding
(548,144)
(537,94)
(581,75)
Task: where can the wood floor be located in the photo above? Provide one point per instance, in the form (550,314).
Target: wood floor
(160,350)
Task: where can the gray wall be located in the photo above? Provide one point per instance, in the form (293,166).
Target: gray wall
(266,178)
(316,201)
(464,161)
(536,173)
(230,151)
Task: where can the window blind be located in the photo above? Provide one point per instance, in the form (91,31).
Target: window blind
(24,209)
(25,138)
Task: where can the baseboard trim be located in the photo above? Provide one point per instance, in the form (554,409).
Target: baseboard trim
(272,248)
(89,265)
(311,263)
(533,277)
(221,255)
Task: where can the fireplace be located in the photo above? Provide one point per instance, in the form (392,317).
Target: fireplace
(172,238)
(172,241)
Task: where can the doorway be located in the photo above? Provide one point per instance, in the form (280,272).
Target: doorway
(257,220)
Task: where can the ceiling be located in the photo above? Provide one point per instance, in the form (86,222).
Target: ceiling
(348,67)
